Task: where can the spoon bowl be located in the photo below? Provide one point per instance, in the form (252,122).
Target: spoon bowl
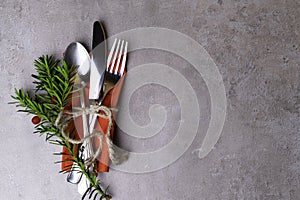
(77,55)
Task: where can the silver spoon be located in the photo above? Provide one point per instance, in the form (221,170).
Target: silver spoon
(77,55)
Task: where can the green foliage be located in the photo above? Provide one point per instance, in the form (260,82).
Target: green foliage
(54,83)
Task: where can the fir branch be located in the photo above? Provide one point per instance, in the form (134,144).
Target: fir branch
(53,92)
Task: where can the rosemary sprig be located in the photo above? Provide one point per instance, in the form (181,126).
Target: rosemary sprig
(53,92)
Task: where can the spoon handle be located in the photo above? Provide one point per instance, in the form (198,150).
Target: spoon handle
(74,176)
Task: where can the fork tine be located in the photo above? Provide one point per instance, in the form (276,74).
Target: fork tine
(119,58)
(124,60)
(114,57)
(110,54)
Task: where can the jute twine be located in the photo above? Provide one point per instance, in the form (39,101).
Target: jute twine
(64,117)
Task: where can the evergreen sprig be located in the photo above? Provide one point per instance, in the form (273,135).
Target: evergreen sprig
(54,83)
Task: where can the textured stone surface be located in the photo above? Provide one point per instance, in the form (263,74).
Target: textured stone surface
(254,43)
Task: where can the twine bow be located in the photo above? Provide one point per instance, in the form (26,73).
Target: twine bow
(65,116)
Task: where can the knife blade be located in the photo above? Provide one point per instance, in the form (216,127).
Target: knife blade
(98,64)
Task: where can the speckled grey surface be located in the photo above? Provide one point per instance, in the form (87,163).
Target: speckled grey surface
(254,43)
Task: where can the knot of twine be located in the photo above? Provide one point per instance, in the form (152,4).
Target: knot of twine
(65,116)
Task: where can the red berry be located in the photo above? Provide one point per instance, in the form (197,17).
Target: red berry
(53,100)
(66,108)
(36,120)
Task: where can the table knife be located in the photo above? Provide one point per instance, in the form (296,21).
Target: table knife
(98,66)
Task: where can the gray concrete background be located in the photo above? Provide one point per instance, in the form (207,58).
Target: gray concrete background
(254,43)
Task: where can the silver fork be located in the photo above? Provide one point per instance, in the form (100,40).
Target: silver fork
(114,69)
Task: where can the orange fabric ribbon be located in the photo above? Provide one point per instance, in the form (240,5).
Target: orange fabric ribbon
(76,128)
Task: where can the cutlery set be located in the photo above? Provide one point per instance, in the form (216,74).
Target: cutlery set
(74,103)
(101,74)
